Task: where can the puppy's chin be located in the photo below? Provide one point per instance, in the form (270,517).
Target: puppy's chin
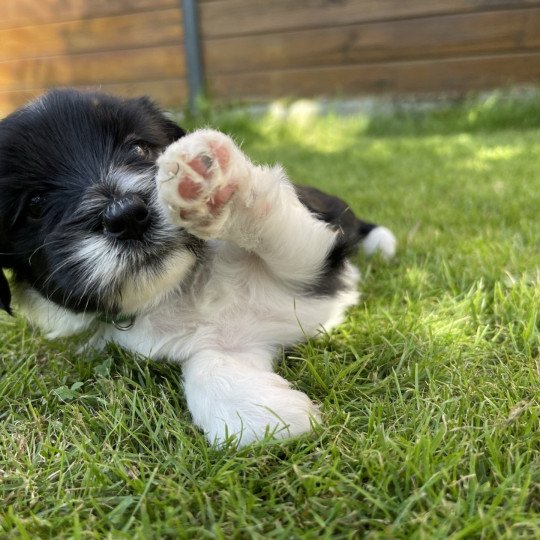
(100,275)
(137,293)
(148,287)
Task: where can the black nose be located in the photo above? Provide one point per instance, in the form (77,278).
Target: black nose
(126,218)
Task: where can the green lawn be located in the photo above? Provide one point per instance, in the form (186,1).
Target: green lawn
(429,391)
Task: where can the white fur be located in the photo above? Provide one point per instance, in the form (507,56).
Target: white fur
(244,304)
(148,289)
(381,240)
(54,320)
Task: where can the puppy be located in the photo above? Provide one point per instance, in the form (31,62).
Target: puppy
(174,246)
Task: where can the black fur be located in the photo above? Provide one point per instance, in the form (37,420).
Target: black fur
(352,231)
(58,161)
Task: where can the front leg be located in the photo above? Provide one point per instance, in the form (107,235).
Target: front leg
(240,396)
(209,187)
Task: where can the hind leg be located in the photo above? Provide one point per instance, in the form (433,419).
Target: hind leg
(353,231)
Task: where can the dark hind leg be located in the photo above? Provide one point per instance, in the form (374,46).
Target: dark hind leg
(353,231)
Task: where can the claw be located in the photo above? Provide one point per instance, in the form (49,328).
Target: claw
(172,174)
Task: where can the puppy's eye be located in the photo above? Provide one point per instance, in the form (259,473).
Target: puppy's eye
(141,149)
(35,208)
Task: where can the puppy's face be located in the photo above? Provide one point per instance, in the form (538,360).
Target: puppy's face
(79,220)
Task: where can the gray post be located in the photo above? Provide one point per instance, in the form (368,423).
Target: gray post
(192,44)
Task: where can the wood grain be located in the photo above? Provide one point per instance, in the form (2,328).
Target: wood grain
(163,27)
(449,76)
(93,68)
(15,13)
(170,93)
(241,17)
(437,37)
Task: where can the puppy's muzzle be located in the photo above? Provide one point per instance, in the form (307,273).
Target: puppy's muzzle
(127,218)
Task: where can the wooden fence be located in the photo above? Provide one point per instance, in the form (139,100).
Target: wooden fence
(260,48)
(263,49)
(129,47)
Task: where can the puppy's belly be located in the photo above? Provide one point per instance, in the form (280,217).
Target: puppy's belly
(236,312)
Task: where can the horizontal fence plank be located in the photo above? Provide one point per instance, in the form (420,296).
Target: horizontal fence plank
(136,30)
(436,37)
(170,93)
(452,76)
(9,101)
(94,68)
(241,17)
(15,13)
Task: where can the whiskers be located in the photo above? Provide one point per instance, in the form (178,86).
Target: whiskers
(45,244)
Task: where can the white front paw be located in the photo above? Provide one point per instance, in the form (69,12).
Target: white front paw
(198,177)
(253,407)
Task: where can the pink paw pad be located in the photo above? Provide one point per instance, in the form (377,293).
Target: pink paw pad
(189,189)
(204,166)
(198,177)
(221,154)
(221,197)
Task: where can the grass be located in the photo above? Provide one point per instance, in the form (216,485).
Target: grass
(429,391)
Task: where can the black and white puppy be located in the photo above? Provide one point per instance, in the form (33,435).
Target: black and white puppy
(176,247)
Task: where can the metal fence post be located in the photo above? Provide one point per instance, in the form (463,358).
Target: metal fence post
(192,44)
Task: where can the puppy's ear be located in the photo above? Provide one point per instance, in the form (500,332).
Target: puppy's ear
(171,129)
(5,293)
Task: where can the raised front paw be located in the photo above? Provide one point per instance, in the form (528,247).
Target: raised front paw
(197,179)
